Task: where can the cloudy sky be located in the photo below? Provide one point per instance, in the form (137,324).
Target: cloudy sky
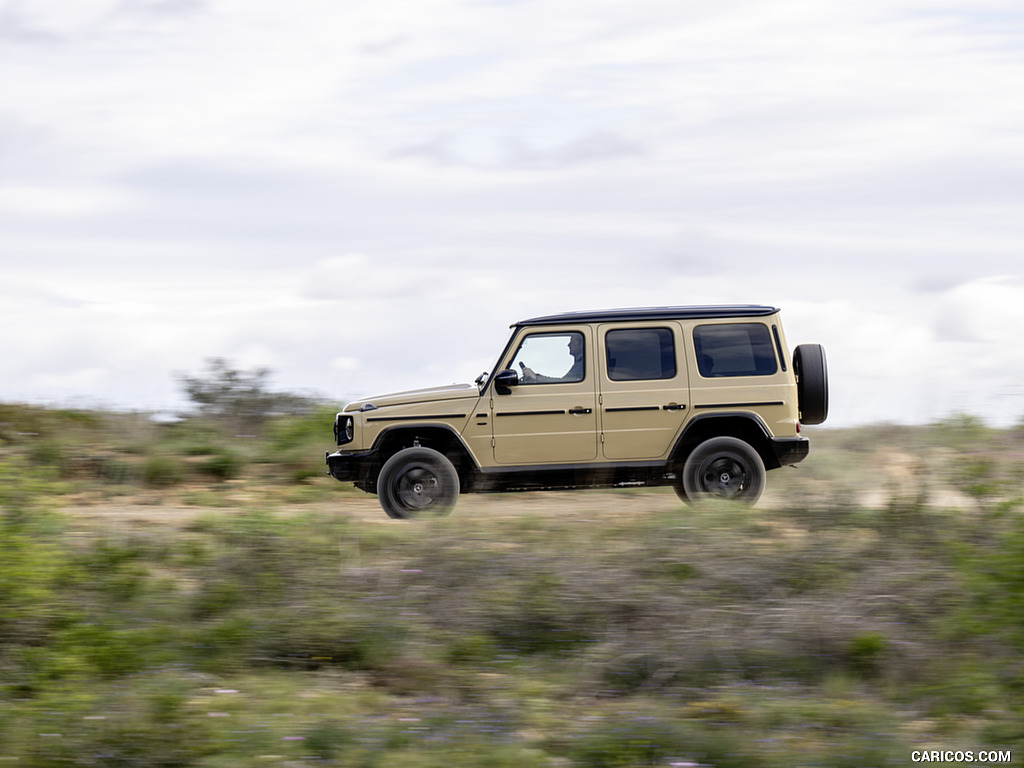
(362,197)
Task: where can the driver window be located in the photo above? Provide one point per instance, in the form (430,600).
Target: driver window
(550,358)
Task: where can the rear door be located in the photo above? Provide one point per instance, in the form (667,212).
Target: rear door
(644,395)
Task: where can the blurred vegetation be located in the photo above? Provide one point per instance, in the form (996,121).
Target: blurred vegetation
(874,605)
(202,460)
(239,400)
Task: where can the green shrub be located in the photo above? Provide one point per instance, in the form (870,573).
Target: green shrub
(215,598)
(224,465)
(112,651)
(296,444)
(979,476)
(48,451)
(330,635)
(146,725)
(994,573)
(117,471)
(31,562)
(962,431)
(163,471)
(224,645)
(965,687)
(328,740)
(471,649)
(651,740)
(865,652)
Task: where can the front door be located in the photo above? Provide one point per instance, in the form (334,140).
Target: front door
(551,415)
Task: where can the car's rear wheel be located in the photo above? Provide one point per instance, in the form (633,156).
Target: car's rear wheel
(417,482)
(724,468)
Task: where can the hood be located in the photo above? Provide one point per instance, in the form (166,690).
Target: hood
(412,396)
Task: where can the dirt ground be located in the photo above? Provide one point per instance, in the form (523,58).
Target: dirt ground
(130,512)
(146,511)
(597,505)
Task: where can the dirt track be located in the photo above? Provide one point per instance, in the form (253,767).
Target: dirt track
(128,513)
(596,505)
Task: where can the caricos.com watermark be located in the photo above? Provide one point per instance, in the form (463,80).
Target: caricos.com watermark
(990,756)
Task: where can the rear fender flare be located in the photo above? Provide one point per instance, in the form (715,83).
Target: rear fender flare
(746,426)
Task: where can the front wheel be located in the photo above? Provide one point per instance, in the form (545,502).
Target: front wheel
(724,468)
(417,482)
(677,486)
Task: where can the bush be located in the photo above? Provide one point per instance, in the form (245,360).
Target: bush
(146,725)
(223,465)
(239,400)
(994,573)
(163,471)
(30,560)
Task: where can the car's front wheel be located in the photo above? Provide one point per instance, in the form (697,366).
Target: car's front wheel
(417,482)
(724,468)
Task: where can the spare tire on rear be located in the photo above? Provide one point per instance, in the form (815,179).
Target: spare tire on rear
(812,382)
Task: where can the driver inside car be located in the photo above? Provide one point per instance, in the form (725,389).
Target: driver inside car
(575,372)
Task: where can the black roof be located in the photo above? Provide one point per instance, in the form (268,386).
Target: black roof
(652,313)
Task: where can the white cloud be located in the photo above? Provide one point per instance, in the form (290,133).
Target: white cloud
(346,364)
(364,197)
(57,202)
(988,313)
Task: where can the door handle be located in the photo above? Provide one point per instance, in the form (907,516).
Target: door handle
(674,407)
(578,411)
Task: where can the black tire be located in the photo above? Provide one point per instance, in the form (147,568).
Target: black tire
(677,486)
(724,468)
(812,382)
(417,482)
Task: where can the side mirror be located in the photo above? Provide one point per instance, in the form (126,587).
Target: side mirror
(504,381)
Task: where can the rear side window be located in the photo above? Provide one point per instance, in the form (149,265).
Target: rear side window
(640,353)
(737,349)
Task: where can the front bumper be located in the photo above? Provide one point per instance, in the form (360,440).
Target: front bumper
(349,466)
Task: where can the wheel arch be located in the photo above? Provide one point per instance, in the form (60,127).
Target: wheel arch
(744,426)
(441,437)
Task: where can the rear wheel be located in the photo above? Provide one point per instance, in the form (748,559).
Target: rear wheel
(417,482)
(724,468)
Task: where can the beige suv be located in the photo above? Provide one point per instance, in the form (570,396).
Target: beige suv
(705,399)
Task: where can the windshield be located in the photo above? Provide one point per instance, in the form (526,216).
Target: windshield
(484,378)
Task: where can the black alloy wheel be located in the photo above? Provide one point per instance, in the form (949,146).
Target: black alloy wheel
(724,468)
(418,482)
